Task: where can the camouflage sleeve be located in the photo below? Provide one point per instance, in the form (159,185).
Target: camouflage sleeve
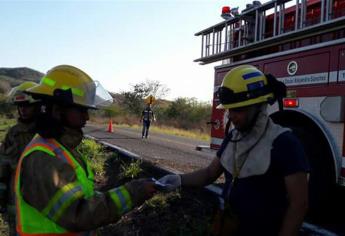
(51,186)
(7,151)
(5,144)
(14,143)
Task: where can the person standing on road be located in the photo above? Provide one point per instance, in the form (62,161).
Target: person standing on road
(17,137)
(54,184)
(265,166)
(147,116)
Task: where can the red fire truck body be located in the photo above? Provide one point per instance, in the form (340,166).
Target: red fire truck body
(304,47)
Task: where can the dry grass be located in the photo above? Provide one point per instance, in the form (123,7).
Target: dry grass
(194,134)
(134,123)
(4,231)
(115,120)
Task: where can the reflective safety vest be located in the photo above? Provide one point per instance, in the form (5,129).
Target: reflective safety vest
(33,222)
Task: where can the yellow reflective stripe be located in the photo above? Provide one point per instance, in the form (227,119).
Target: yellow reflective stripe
(75,196)
(75,91)
(49,82)
(121,198)
(57,196)
(125,193)
(116,201)
(63,199)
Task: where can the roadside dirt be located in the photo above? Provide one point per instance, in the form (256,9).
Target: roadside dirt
(184,212)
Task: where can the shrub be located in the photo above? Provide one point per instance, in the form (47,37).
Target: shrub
(162,200)
(95,155)
(131,170)
(188,113)
(90,149)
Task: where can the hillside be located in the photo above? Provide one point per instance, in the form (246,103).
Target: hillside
(10,77)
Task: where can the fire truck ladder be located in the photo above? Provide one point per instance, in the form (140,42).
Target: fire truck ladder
(251,30)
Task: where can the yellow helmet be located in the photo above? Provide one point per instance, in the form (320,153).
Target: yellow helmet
(70,85)
(17,95)
(243,86)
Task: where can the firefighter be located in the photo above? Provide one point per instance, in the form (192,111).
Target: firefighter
(17,137)
(147,116)
(266,187)
(54,184)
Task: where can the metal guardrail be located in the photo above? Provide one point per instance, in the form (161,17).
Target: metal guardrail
(307,228)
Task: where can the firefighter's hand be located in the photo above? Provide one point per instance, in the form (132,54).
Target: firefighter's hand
(141,190)
(171,182)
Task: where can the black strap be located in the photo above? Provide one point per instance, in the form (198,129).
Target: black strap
(227,96)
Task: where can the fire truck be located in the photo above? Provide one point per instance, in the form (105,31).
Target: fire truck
(301,43)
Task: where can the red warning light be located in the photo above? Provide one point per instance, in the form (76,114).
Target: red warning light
(290,102)
(226,10)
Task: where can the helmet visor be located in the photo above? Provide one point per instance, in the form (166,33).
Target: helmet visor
(227,96)
(92,95)
(102,97)
(16,96)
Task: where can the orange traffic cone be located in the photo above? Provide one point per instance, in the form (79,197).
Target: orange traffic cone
(110,126)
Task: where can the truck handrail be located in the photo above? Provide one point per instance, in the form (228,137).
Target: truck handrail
(253,30)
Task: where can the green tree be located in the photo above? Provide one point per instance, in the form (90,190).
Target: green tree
(133,100)
(188,112)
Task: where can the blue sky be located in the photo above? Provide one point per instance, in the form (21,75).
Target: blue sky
(119,42)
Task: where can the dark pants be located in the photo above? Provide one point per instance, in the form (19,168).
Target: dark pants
(146,127)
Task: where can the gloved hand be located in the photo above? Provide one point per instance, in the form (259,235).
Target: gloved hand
(171,182)
(140,190)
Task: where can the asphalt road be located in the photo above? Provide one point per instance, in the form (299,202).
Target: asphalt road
(168,151)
